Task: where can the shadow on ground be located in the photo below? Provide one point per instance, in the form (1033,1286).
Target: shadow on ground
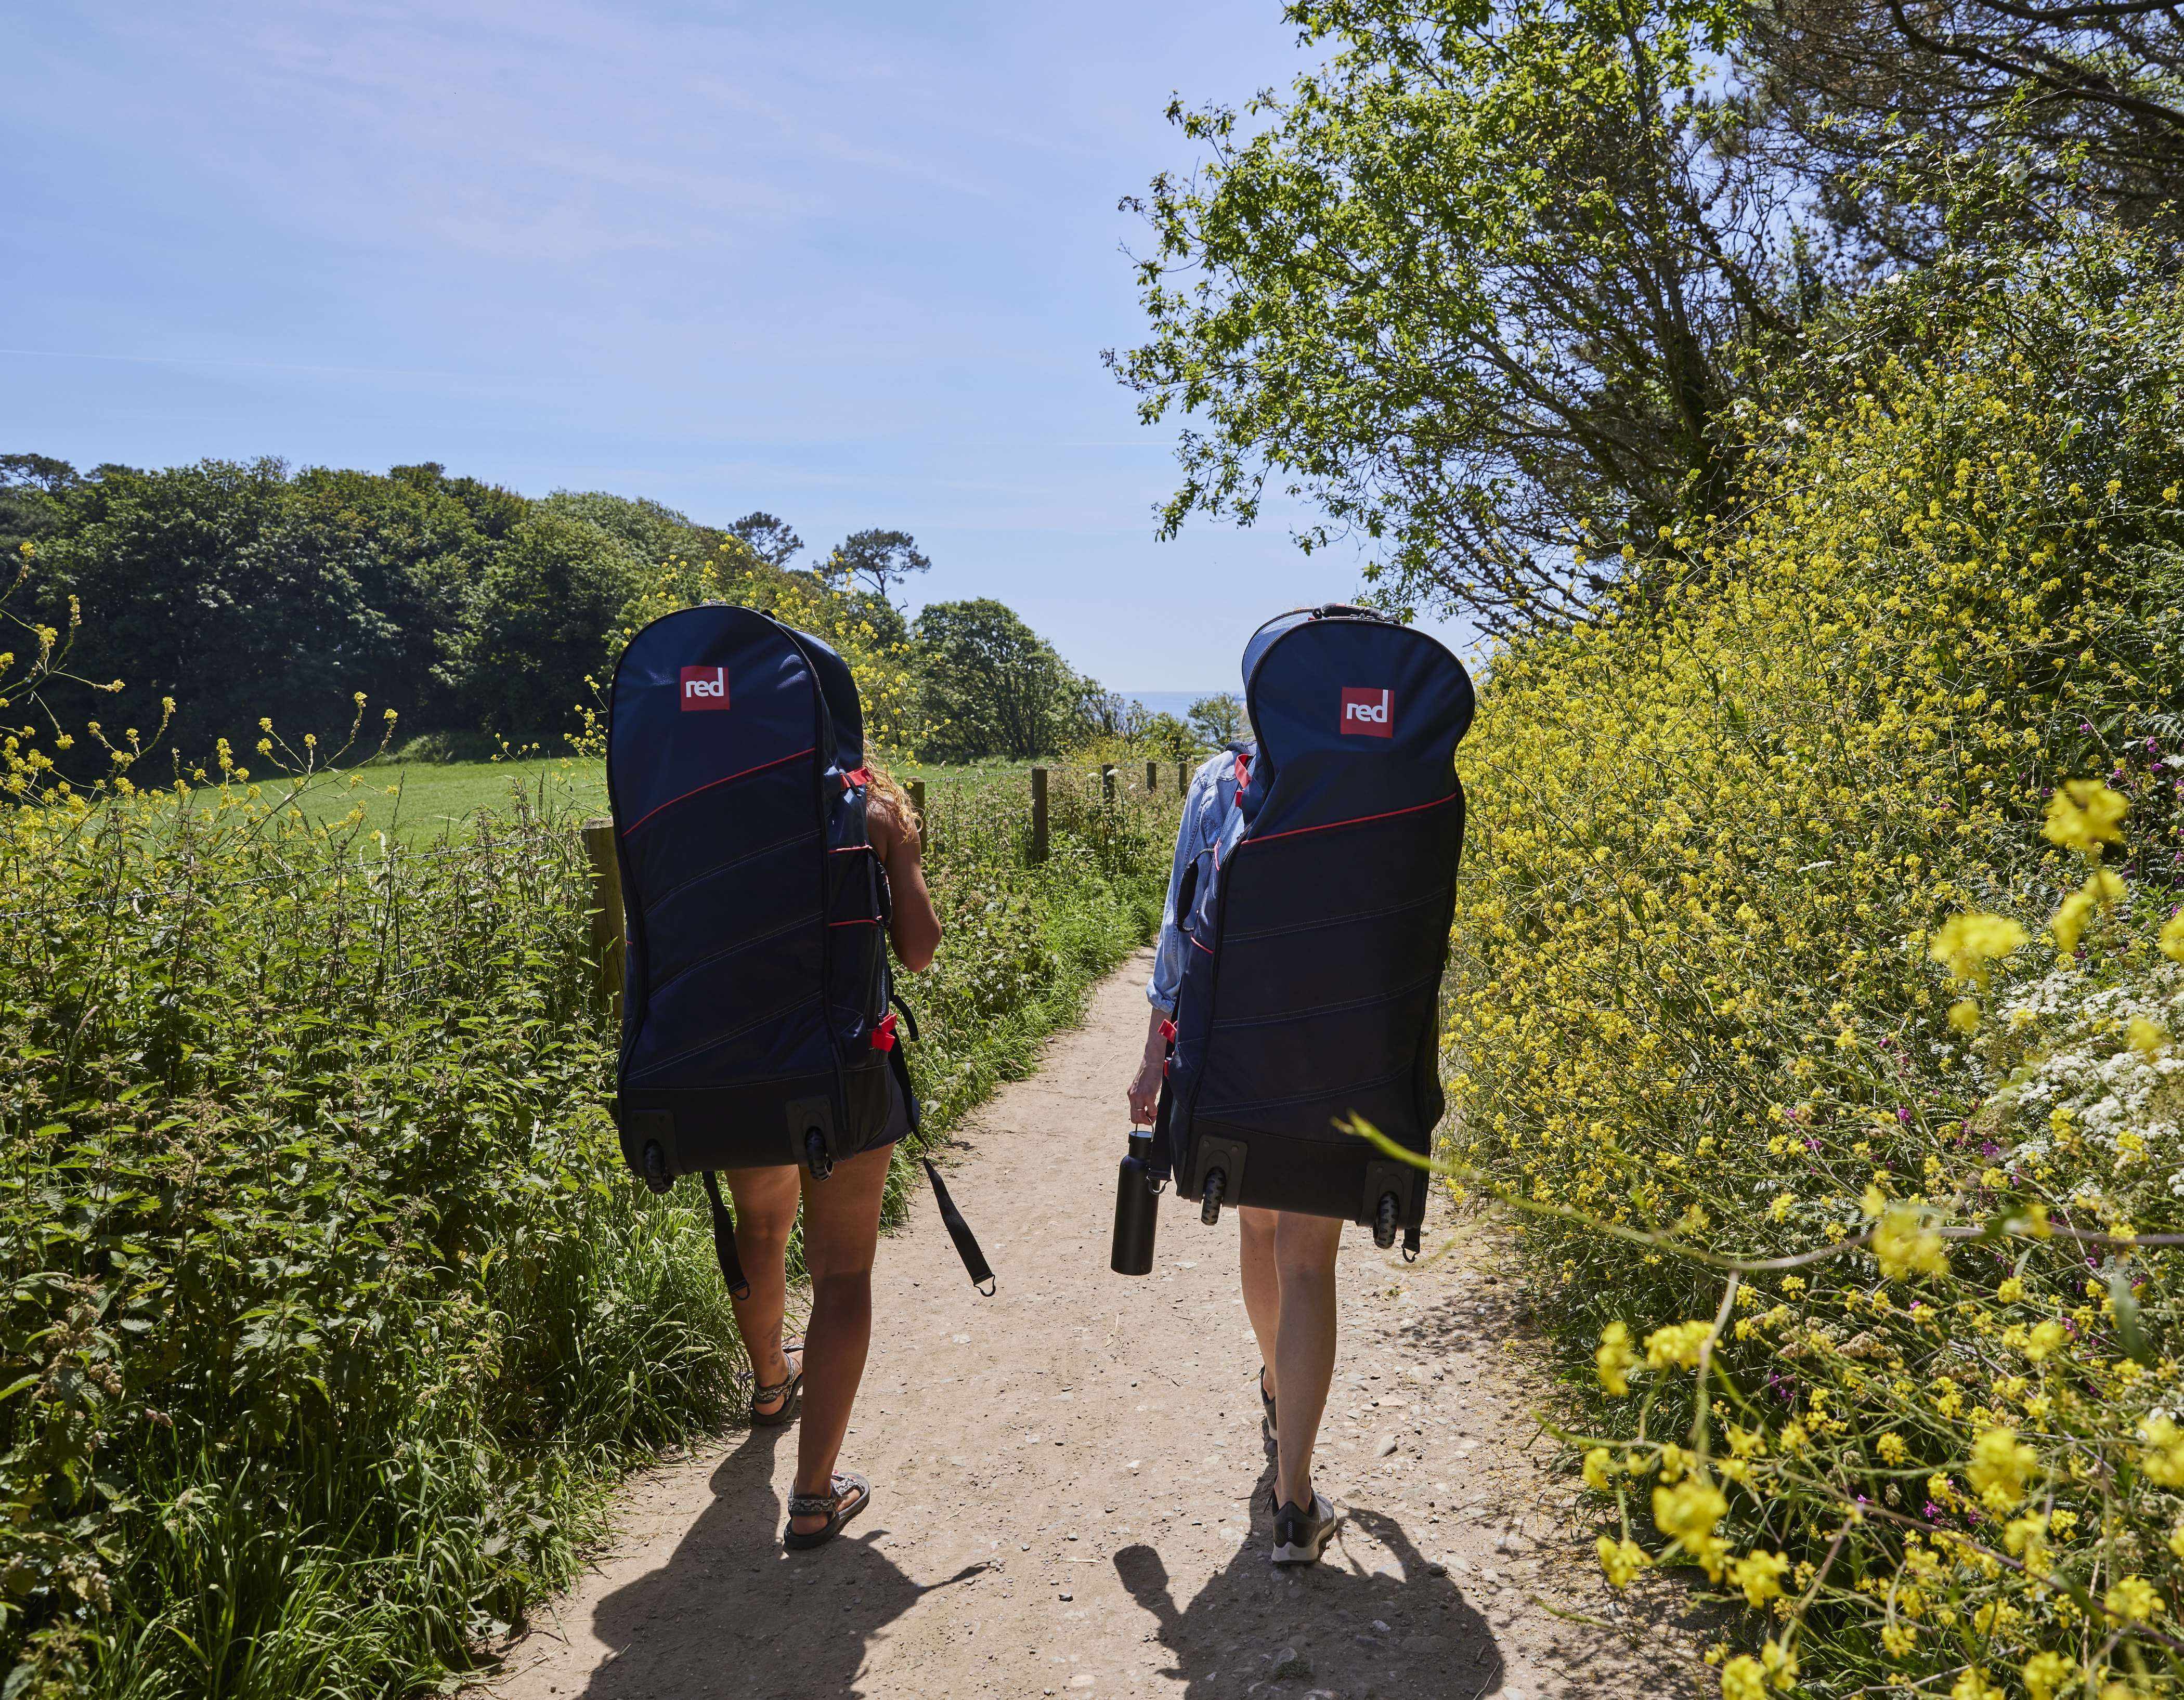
(732,1613)
(1338,1627)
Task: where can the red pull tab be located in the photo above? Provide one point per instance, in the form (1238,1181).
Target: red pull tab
(884,1035)
(855,777)
(1167,1031)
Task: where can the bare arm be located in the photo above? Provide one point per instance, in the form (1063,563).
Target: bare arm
(1145,1088)
(915,927)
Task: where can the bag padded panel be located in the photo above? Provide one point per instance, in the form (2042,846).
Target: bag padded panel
(755,968)
(1317,996)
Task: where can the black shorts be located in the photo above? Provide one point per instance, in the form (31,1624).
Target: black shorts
(896,1124)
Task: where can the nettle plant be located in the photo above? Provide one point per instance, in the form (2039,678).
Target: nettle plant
(326,1308)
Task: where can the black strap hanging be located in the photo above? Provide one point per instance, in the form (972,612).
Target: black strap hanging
(966,1243)
(724,1242)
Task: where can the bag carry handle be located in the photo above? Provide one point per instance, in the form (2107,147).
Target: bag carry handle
(724,1242)
(966,1242)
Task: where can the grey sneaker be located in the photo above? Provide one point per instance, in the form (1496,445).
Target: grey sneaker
(1301,1536)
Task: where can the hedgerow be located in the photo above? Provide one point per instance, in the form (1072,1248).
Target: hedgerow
(1810,1003)
(329,1310)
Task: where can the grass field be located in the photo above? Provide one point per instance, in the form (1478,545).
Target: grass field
(421,800)
(418,800)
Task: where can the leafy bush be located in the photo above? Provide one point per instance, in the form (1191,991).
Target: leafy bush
(1748,851)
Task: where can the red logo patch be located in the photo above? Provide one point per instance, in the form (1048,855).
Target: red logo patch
(1368,713)
(704,687)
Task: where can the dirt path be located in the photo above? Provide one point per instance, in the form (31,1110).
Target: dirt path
(1071,1486)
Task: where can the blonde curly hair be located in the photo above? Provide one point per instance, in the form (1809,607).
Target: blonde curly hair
(885,785)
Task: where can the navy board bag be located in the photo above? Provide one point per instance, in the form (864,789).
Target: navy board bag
(1318,933)
(757,1031)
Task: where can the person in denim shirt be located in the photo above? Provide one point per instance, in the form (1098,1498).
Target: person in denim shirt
(1287,1258)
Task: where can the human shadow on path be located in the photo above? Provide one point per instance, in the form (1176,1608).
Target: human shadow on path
(732,1614)
(1344,1629)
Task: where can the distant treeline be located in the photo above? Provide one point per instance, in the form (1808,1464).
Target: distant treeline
(249,591)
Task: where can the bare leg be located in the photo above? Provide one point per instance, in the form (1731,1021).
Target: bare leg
(1262,1288)
(765,1210)
(841,1233)
(1304,1345)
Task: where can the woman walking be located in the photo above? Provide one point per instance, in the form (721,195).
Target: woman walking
(1288,1257)
(841,1234)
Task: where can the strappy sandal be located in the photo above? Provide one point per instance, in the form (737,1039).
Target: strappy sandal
(783,1390)
(851,1494)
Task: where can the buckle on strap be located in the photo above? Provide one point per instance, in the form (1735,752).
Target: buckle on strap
(884,1035)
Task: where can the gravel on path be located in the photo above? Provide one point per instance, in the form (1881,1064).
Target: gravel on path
(1071,1483)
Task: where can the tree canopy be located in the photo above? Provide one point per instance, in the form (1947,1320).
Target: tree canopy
(991,685)
(1474,289)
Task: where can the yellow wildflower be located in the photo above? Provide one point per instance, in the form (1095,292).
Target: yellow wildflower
(1899,1638)
(1621,1560)
(1903,1246)
(2146,1037)
(1615,1359)
(2069,920)
(2000,1467)
(1965,1015)
(1967,944)
(1760,1574)
(1689,1511)
(2044,1342)
(1742,1679)
(2133,1599)
(1676,1345)
(1597,1467)
(2043,1674)
(2162,1460)
(1780,1664)
(2172,936)
(1973,1684)
(1891,1447)
(2084,815)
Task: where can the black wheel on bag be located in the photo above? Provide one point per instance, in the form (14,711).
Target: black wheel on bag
(815,1154)
(656,1177)
(1384,1221)
(1217,1183)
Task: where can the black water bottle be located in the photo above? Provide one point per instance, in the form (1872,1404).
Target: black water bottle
(1137,1210)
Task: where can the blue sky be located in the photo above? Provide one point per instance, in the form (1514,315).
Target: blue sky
(851,263)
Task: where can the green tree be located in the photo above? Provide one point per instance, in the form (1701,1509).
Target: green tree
(878,558)
(213,585)
(1476,288)
(990,685)
(30,489)
(541,625)
(1218,719)
(653,530)
(1917,125)
(772,539)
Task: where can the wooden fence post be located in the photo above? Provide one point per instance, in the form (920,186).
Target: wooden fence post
(1107,783)
(1152,777)
(608,927)
(1038,814)
(1183,779)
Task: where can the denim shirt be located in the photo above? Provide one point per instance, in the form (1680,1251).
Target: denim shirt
(1211,823)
